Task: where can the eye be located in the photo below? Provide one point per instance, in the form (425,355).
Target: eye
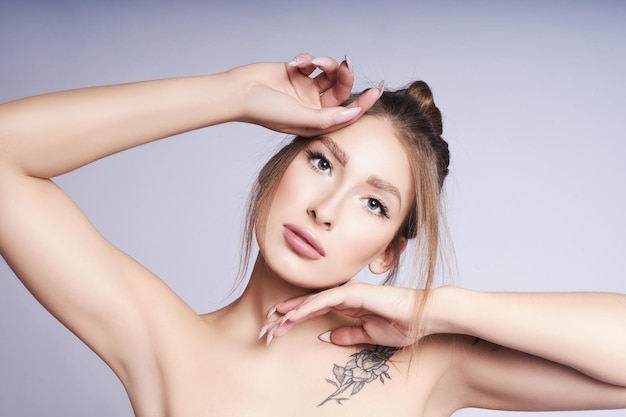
(376,207)
(318,161)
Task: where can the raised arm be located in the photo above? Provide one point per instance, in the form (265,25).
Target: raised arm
(51,134)
(537,351)
(584,331)
(514,351)
(121,310)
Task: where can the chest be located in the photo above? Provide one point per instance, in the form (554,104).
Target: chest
(321,381)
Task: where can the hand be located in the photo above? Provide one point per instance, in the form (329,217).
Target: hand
(387,314)
(284,98)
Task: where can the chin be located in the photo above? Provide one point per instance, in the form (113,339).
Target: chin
(304,276)
(307,279)
(300,272)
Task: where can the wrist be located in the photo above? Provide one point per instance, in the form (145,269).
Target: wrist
(446,309)
(243,99)
(234,97)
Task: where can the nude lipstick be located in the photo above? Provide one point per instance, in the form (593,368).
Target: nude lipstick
(303,242)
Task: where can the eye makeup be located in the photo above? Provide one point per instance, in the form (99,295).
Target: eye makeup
(318,161)
(373,205)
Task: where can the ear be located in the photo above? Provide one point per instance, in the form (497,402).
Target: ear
(383,262)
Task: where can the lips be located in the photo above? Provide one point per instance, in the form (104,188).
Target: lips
(303,242)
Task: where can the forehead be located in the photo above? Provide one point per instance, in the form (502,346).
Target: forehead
(372,148)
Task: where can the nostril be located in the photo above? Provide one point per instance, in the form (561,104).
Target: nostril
(320,218)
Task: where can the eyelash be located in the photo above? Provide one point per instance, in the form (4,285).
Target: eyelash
(384,211)
(313,155)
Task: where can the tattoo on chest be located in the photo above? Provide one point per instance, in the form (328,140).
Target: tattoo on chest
(362,368)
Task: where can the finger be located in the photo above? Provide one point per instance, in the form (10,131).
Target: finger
(313,122)
(328,77)
(319,304)
(282,329)
(268,327)
(370,96)
(282,326)
(302,63)
(346,336)
(339,85)
(360,298)
(291,304)
(334,118)
(309,122)
(330,72)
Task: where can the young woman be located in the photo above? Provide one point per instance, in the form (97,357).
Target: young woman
(302,339)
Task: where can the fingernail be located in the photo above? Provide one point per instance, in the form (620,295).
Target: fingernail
(347,115)
(322,61)
(381,88)
(264,329)
(286,317)
(271,312)
(270,334)
(349,64)
(325,337)
(297,60)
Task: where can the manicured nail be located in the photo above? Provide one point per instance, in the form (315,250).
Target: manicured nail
(271,312)
(297,60)
(264,328)
(286,317)
(349,64)
(322,61)
(381,88)
(270,333)
(347,115)
(325,337)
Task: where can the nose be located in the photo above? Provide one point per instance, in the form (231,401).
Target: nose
(320,219)
(323,212)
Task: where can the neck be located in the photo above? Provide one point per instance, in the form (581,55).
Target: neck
(244,318)
(266,289)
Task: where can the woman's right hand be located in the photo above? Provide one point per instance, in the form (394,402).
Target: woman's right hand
(285,98)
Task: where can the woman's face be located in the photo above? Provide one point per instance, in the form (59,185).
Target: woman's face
(338,205)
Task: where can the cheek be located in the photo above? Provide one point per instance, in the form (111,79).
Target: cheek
(290,195)
(287,188)
(285,200)
(362,241)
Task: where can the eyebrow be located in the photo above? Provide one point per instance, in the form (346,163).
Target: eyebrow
(335,149)
(373,180)
(383,185)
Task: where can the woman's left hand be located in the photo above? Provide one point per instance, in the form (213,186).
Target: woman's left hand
(387,314)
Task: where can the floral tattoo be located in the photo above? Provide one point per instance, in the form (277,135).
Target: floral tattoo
(363,367)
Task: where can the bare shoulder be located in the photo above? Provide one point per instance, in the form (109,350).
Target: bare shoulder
(120,309)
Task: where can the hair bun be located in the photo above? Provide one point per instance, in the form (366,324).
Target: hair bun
(422,93)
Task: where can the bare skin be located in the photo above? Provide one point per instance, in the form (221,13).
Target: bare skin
(174,362)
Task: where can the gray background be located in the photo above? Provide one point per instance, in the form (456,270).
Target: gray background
(532,96)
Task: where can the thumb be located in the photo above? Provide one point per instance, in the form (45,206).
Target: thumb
(311,122)
(346,115)
(345,336)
